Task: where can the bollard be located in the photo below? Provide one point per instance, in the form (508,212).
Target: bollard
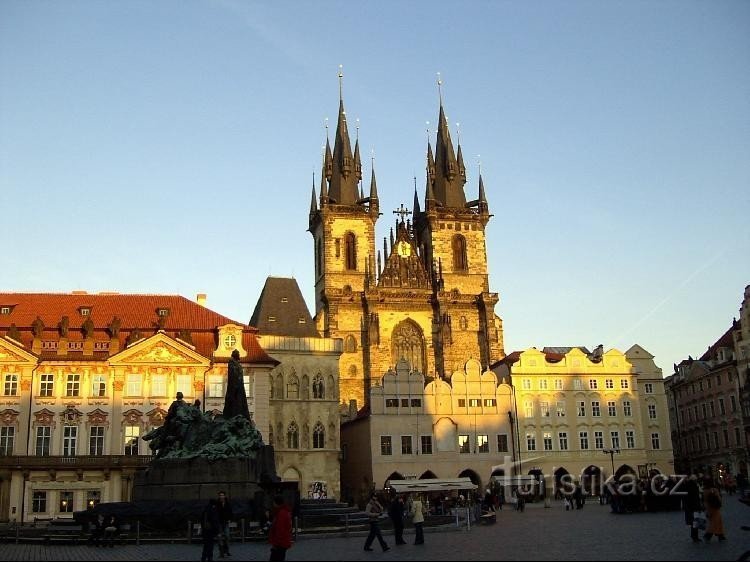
(190,532)
(242,527)
(346,524)
(138,532)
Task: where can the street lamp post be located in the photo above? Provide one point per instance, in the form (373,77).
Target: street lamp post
(611,453)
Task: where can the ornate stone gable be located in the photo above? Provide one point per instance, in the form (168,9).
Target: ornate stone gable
(10,352)
(156,416)
(44,417)
(132,417)
(159,349)
(71,415)
(98,417)
(9,417)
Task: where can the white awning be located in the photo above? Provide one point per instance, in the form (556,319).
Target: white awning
(431,485)
(521,479)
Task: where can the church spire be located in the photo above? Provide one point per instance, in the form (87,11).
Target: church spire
(448,179)
(343,187)
(483,206)
(417,210)
(374,201)
(313,202)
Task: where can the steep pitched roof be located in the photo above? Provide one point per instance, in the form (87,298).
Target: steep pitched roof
(724,341)
(281,310)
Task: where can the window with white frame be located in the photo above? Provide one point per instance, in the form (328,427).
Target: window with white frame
(66,502)
(7,440)
(134,381)
(595,409)
(560,409)
(609,383)
(319,436)
(426,444)
(488,402)
(526,384)
(502,443)
(542,384)
(96,440)
(386,445)
(246,384)
(73,384)
(652,411)
(98,385)
(544,408)
(43,440)
(599,440)
(627,408)
(158,385)
(132,436)
(562,439)
(577,384)
(593,384)
(39,501)
(528,408)
(581,408)
(406,442)
(655,441)
(46,384)
(547,441)
(558,384)
(615,436)
(464,445)
(648,388)
(70,440)
(624,385)
(483,444)
(583,437)
(530,442)
(184,384)
(10,384)
(611,408)
(215,386)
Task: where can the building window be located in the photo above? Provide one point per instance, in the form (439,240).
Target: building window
(544,408)
(703,410)
(132,436)
(318,388)
(426,444)
(99,386)
(609,383)
(581,409)
(718,379)
(96,440)
(158,385)
(726,438)
(66,502)
(92,498)
(391,402)
(624,384)
(584,438)
(655,441)
(648,388)
(530,442)
(246,384)
(70,440)
(463,323)
(547,438)
(7,440)
(558,384)
(599,440)
(502,443)
(4,310)
(526,384)
(716,439)
(184,384)
(595,410)
(292,388)
(292,436)
(483,444)
(39,502)
(319,436)
(652,411)
(350,251)
(615,435)
(612,408)
(712,409)
(85,311)
(134,384)
(630,439)
(474,402)
(458,245)
(593,385)
(215,386)
(722,407)
(737,440)
(46,384)
(627,408)
(350,344)
(528,409)
(73,385)
(464,446)
(462,402)
(560,409)
(577,384)
(43,438)
(542,384)
(733,403)
(10,386)
(490,402)
(562,438)
(386,447)
(406,445)
(230,340)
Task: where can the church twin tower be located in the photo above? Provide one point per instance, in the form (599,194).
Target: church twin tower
(426,296)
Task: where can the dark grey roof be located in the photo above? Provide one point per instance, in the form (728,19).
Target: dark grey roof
(281,310)
(565,349)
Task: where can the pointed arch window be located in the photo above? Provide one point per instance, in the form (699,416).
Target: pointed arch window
(319,436)
(350,344)
(407,342)
(278,388)
(318,388)
(458,245)
(305,388)
(350,251)
(319,258)
(292,436)
(292,388)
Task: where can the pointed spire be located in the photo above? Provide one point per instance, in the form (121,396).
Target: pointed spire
(357,161)
(327,159)
(313,202)
(392,239)
(385,248)
(373,184)
(380,265)
(323,188)
(461,167)
(430,163)
(344,174)
(448,178)
(417,210)
(483,206)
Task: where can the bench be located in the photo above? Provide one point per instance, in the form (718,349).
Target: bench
(488,518)
(63,533)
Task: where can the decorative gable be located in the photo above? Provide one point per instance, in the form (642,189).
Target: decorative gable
(12,352)
(159,349)
(156,416)
(98,417)
(132,417)
(9,417)
(44,417)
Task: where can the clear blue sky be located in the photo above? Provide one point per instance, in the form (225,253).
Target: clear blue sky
(169,147)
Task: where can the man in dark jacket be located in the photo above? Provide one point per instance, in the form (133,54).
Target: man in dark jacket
(210,528)
(225,516)
(280,535)
(691,502)
(396,513)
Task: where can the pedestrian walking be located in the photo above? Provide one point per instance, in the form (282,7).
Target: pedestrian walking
(225,517)
(374,510)
(417,513)
(280,534)
(111,529)
(396,513)
(712,501)
(691,504)
(210,528)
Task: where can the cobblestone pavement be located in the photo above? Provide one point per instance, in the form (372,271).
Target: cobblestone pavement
(537,534)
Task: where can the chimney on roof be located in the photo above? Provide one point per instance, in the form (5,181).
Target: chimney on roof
(201,298)
(79,293)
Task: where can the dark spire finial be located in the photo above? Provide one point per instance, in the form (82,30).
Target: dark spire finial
(440,89)
(341,82)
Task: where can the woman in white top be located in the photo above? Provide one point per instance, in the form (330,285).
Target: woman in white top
(417,513)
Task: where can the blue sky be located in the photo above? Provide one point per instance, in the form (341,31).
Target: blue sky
(169,147)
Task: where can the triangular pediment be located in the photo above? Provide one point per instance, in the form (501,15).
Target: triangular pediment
(11,352)
(159,349)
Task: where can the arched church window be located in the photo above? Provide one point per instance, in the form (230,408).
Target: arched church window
(318,387)
(350,344)
(407,342)
(350,251)
(305,388)
(278,388)
(463,322)
(458,245)
(319,436)
(271,386)
(292,388)
(319,258)
(292,436)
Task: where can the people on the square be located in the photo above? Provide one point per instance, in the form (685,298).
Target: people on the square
(417,513)
(280,535)
(210,528)
(374,510)
(396,513)
(225,517)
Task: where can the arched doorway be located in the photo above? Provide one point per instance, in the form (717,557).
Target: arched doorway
(563,482)
(591,480)
(393,476)
(473,476)
(427,474)
(623,470)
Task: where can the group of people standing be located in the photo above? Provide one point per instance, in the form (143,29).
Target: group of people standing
(399,508)
(215,527)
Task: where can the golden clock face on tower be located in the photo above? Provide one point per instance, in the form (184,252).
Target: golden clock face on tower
(403,249)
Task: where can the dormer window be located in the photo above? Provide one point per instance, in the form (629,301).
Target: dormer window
(272,319)
(301,320)
(162,312)
(85,310)
(284,299)
(5,310)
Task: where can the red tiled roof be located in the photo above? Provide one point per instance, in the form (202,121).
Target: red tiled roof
(724,341)
(135,311)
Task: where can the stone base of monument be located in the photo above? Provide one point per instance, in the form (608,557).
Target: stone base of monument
(201,479)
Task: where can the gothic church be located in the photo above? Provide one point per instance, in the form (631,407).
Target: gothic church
(425,296)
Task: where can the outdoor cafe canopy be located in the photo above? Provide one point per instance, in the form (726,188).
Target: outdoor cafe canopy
(431,485)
